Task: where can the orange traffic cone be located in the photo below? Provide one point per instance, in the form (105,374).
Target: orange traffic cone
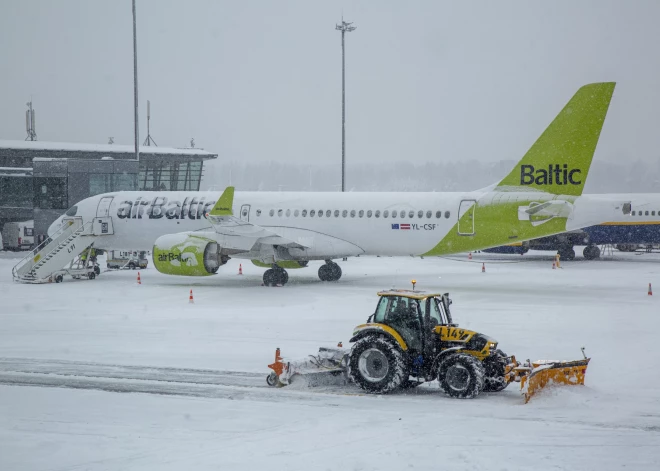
(483,268)
(339,345)
(554,265)
(240,268)
(138,279)
(470,256)
(650,290)
(190,299)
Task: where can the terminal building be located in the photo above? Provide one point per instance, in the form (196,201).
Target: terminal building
(41,180)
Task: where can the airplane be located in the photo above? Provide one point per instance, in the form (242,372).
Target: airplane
(638,225)
(194,233)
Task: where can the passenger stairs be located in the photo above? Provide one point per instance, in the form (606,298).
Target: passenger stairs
(55,252)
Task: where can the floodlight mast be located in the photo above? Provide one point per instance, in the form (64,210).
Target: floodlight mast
(344,27)
(135,88)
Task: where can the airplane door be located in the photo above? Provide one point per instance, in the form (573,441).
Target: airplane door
(102,224)
(103,209)
(245,212)
(466,215)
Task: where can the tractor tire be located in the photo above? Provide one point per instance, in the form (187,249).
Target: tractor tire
(494,367)
(461,376)
(376,364)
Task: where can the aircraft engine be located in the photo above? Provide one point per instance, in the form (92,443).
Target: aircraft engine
(187,254)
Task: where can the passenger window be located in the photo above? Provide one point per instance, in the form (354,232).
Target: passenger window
(420,214)
(320,213)
(381,309)
(272,212)
(646,213)
(288,213)
(438,214)
(352,213)
(328,213)
(361,213)
(377,213)
(369,213)
(402,216)
(245,213)
(344,213)
(296,213)
(304,213)
(428,214)
(447,214)
(336,213)
(312,213)
(279,212)
(393,214)
(411,214)
(258,212)
(652,213)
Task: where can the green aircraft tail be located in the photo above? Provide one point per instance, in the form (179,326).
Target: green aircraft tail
(559,160)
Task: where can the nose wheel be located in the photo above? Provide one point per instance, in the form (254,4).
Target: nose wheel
(330,271)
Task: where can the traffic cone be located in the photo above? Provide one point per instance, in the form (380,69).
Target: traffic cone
(554,265)
(470,256)
(240,268)
(190,299)
(138,279)
(339,345)
(650,290)
(483,268)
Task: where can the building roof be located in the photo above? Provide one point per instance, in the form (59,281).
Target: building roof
(82,150)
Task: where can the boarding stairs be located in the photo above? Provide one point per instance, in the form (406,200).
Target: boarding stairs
(55,252)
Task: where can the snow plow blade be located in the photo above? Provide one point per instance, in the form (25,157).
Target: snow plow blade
(325,368)
(543,373)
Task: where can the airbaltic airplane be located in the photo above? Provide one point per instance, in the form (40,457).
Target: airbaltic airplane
(194,233)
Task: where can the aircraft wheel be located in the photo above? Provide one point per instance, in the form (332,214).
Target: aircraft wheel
(566,253)
(591,252)
(330,272)
(275,276)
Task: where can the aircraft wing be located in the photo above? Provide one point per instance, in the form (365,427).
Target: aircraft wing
(225,223)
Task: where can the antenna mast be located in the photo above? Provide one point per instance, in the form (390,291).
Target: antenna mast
(149,139)
(30,122)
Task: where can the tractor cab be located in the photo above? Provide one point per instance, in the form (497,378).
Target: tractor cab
(413,315)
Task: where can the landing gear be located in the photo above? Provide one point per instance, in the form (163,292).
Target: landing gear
(275,276)
(566,252)
(330,271)
(591,252)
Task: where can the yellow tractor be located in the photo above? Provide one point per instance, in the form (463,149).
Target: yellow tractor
(411,339)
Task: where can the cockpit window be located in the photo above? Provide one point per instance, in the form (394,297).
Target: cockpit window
(72,211)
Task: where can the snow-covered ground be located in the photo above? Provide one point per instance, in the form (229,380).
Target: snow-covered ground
(116,375)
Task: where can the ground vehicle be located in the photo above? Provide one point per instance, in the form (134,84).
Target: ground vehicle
(18,235)
(127,259)
(411,338)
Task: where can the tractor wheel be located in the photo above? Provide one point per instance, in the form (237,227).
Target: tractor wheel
(461,375)
(494,367)
(376,365)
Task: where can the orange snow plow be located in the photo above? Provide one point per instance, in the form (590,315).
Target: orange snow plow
(411,339)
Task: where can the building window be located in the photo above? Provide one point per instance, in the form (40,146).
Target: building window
(50,193)
(16,191)
(447,214)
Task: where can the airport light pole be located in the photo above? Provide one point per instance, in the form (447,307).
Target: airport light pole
(344,27)
(135,88)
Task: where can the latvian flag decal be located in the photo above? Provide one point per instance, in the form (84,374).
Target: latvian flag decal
(401,226)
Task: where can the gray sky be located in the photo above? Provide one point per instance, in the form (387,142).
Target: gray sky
(261,80)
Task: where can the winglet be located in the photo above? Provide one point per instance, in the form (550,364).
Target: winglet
(224,205)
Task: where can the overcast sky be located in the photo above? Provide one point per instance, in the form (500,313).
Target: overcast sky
(261,80)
